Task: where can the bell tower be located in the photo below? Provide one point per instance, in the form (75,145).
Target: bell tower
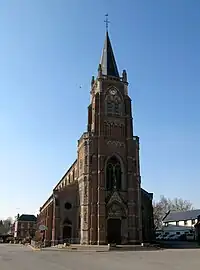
(110,179)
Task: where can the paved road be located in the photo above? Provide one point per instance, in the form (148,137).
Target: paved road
(23,258)
(179,244)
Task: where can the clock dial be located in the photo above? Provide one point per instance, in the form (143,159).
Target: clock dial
(113,91)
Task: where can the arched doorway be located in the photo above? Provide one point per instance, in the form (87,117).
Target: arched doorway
(116,215)
(114,231)
(67,230)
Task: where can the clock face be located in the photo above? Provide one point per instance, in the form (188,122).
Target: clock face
(113,91)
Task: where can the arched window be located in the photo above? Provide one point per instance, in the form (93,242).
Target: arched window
(113,174)
(109,177)
(118,175)
(107,129)
(109,105)
(113,105)
(117,105)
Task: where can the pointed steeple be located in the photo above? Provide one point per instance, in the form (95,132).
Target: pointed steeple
(108,63)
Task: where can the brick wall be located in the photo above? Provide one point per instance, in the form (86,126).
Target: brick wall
(25,229)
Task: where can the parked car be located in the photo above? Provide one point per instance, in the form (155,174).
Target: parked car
(159,237)
(167,237)
(182,237)
(190,237)
(174,237)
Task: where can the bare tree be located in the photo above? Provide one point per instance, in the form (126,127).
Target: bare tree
(1,227)
(164,205)
(5,225)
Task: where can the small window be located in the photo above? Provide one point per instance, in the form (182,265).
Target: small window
(86,160)
(56,202)
(68,206)
(86,146)
(81,164)
(109,107)
(117,107)
(185,222)
(79,221)
(177,223)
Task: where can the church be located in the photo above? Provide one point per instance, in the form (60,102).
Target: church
(99,200)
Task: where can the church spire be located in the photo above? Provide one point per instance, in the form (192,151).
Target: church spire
(108,63)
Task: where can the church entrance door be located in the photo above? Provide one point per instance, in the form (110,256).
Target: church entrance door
(67,232)
(114,231)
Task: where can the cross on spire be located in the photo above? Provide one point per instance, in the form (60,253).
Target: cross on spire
(106,21)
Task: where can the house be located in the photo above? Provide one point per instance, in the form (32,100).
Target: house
(25,226)
(182,218)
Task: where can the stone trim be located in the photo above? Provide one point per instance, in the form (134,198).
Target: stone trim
(116,143)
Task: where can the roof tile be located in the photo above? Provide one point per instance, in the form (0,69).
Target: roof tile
(182,215)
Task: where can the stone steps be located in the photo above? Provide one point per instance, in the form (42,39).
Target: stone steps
(77,247)
(101,248)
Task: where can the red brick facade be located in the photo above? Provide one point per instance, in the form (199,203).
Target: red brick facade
(45,218)
(25,226)
(99,199)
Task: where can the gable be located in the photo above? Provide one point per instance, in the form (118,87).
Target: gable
(115,198)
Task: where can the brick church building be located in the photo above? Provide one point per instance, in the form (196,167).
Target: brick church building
(100,200)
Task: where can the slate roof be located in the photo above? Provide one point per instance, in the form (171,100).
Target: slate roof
(182,215)
(108,63)
(150,195)
(25,217)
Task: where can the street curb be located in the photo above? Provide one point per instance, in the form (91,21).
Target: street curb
(35,249)
(73,250)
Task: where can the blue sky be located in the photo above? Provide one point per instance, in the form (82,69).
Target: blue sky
(49,48)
